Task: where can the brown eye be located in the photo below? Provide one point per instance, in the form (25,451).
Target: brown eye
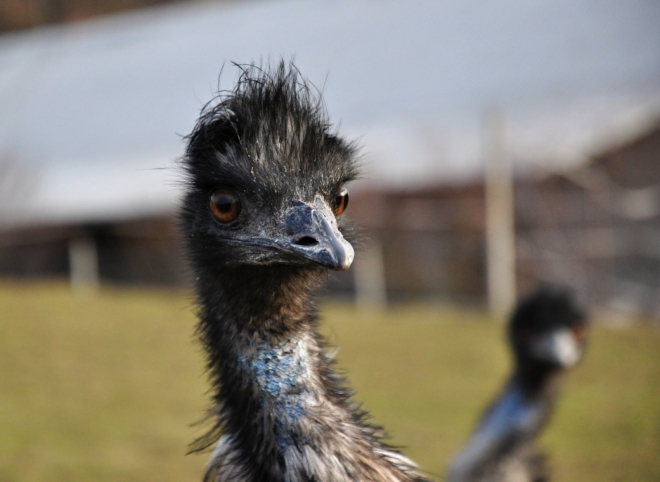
(341,202)
(523,334)
(579,332)
(225,205)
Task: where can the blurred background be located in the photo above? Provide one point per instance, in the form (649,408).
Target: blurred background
(505,144)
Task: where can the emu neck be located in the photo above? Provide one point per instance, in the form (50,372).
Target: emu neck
(258,302)
(525,403)
(537,381)
(502,446)
(258,328)
(282,413)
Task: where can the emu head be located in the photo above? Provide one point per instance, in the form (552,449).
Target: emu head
(548,330)
(266,177)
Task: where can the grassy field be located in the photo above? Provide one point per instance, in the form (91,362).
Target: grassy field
(107,389)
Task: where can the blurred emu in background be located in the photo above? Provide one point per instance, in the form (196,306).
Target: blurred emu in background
(547,335)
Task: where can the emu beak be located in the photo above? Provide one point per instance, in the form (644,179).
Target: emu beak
(558,347)
(312,234)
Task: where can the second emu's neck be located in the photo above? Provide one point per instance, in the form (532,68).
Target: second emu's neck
(283,414)
(502,446)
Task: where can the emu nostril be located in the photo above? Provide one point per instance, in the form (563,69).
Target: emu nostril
(307,241)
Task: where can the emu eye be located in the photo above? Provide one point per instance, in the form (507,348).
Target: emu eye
(341,202)
(579,332)
(225,205)
(523,334)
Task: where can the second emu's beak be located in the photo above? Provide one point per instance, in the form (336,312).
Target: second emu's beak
(558,347)
(312,234)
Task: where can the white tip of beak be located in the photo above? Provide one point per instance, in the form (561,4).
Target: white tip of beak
(558,347)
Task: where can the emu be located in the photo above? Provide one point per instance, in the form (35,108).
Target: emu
(263,223)
(547,335)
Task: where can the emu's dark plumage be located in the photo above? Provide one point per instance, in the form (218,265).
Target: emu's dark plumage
(547,336)
(282,413)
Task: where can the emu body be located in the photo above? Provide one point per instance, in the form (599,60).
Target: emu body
(263,223)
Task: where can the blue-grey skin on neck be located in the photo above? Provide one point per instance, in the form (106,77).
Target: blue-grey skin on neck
(281,372)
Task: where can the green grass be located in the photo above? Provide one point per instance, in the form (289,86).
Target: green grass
(107,389)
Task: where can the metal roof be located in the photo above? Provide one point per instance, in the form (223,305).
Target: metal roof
(91,111)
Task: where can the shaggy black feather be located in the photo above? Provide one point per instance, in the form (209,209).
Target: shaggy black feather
(269,141)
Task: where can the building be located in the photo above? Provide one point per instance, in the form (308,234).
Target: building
(91,113)
(595,227)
